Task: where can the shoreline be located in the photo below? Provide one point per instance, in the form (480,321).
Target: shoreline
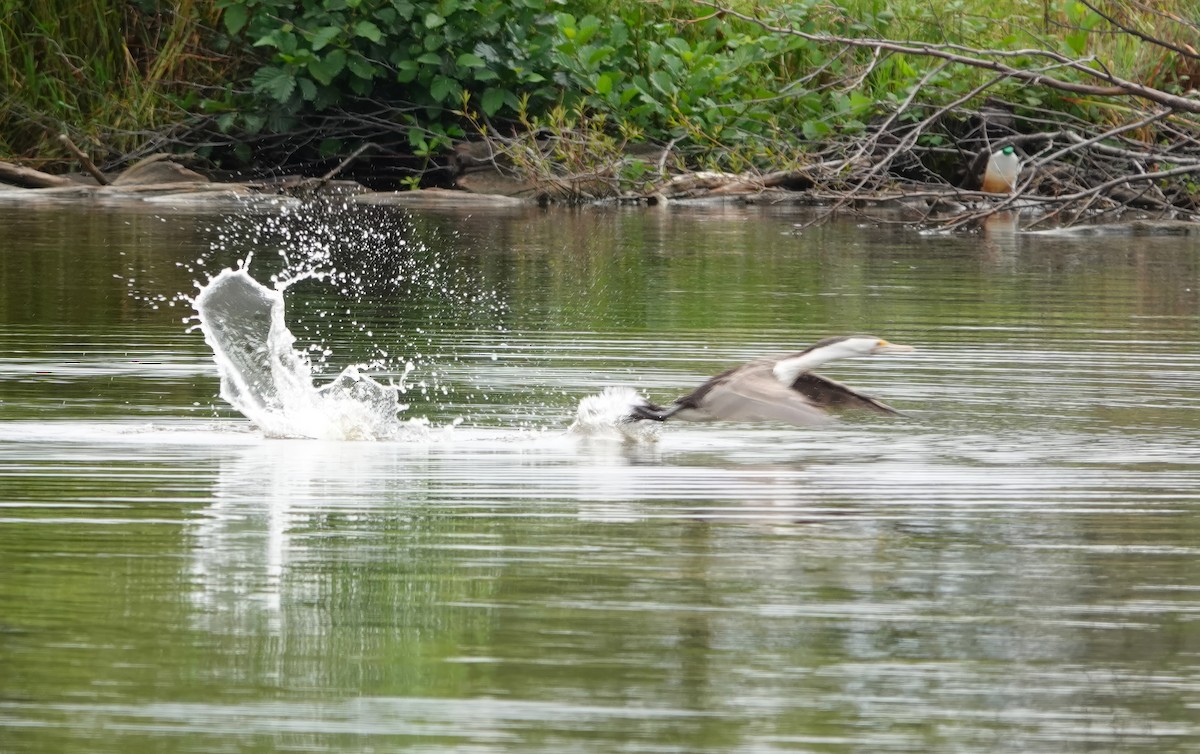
(170,186)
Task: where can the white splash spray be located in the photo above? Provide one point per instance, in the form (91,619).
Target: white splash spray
(271,383)
(609,415)
(361,255)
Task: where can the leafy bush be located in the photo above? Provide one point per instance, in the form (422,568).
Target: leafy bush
(700,82)
(420,55)
(725,92)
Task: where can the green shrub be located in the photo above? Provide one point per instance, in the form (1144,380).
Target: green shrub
(422,57)
(696,81)
(723,92)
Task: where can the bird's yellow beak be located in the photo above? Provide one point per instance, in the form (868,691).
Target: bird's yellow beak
(885,347)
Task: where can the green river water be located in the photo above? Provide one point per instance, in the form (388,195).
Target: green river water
(1013,566)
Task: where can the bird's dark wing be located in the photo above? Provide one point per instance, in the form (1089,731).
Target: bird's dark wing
(828,394)
(749,393)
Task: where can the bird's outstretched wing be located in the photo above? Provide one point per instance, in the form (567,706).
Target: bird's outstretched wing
(755,395)
(829,394)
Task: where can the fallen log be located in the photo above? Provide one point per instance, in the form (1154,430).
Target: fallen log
(30,178)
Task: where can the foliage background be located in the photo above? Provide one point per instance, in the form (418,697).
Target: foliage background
(246,82)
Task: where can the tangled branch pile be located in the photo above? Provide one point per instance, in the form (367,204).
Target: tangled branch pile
(1107,145)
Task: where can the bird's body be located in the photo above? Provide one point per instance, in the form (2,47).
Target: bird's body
(777,388)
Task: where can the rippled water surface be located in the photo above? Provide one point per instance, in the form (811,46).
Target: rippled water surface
(1011,567)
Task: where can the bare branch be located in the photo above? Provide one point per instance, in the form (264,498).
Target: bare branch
(1185,51)
(987,60)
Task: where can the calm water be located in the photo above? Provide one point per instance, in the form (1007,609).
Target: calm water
(1011,568)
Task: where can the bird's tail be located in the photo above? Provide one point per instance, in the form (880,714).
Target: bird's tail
(647,411)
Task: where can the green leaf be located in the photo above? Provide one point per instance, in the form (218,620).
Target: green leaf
(286,40)
(598,55)
(327,68)
(308,90)
(301,58)
(815,129)
(487,52)
(433,20)
(235,17)
(604,83)
(588,26)
(470,60)
(1077,41)
(442,87)
(324,36)
(253,123)
(405,8)
(327,96)
(329,147)
(215,106)
(662,81)
(492,100)
(678,44)
(278,83)
(361,67)
(406,71)
(368,30)
(430,58)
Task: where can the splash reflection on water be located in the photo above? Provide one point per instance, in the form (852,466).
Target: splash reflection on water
(1010,567)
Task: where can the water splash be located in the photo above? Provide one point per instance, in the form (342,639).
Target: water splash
(609,415)
(271,383)
(372,264)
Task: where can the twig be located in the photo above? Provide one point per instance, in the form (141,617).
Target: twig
(84,160)
(662,160)
(342,165)
(1123,179)
(1100,137)
(1185,51)
(977,58)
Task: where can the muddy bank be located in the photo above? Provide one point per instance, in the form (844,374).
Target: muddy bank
(161,183)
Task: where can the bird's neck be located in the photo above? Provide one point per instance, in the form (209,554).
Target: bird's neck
(788,369)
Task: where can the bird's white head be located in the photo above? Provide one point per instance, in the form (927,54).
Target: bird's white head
(859,345)
(830,349)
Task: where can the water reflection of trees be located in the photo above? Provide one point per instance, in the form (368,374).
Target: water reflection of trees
(584,582)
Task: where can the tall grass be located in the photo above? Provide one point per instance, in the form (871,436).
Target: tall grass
(106,72)
(1066,26)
